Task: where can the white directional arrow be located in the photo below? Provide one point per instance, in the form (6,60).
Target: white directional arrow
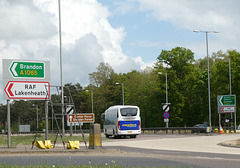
(70,118)
(220,101)
(13,69)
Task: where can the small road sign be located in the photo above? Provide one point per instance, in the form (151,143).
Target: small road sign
(17,73)
(227,100)
(70,109)
(228,109)
(81,118)
(166,120)
(27,90)
(165,107)
(23,69)
(166,115)
(226,103)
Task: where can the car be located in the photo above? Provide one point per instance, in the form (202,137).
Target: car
(199,128)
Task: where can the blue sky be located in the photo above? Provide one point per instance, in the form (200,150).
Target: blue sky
(146,36)
(143,33)
(127,34)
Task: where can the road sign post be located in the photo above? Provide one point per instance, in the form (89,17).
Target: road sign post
(226,103)
(25,80)
(166,113)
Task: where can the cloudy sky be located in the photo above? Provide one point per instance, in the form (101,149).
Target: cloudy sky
(127,34)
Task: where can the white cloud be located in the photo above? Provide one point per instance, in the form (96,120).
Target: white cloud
(22,20)
(80,18)
(217,15)
(123,7)
(83,57)
(186,13)
(29,31)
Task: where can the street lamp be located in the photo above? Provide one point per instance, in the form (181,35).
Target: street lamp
(209,101)
(166,96)
(91,97)
(166,87)
(34,105)
(122,90)
(61,69)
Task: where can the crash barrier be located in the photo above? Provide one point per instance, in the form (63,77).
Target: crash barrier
(184,130)
(43,144)
(50,131)
(73,145)
(144,130)
(173,130)
(95,140)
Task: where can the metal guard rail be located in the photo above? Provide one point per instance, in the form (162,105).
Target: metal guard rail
(173,129)
(144,130)
(183,129)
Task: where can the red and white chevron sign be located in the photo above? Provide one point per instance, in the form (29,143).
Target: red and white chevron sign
(27,90)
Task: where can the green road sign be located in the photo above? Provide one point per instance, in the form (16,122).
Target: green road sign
(227,100)
(27,69)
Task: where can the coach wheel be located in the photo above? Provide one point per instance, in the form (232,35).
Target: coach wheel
(114,135)
(107,136)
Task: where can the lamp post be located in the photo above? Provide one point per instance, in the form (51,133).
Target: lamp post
(230,85)
(166,87)
(34,105)
(166,96)
(122,90)
(230,90)
(91,97)
(209,101)
(61,71)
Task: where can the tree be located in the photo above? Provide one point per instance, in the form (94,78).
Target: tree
(3,114)
(178,64)
(187,90)
(103,74)
(102,83)
(220,77)
(77,95)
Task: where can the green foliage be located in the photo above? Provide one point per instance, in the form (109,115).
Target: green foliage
(187,83)
(178,64)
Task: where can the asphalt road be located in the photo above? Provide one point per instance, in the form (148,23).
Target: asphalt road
(191,150)
(147,150)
